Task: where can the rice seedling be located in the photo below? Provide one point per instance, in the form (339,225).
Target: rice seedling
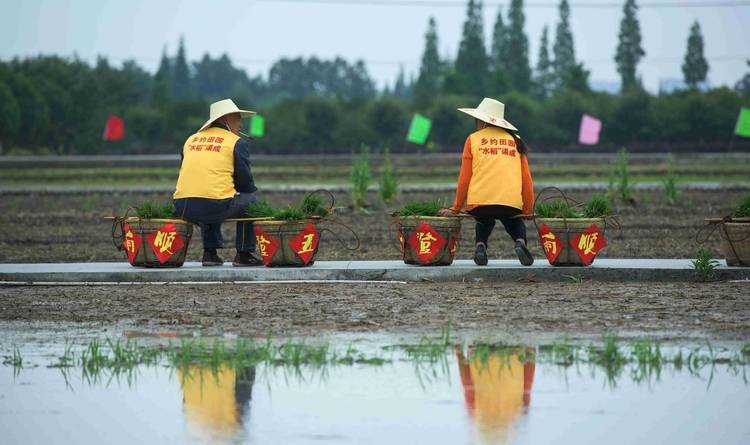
(743,211)
(421,208)
(388,183)
(312,205)
(360,178)
(557,208)
(670,182)
(150,210)
(259,209)
(704,266)
(290,213)
(597,207)
(624,185)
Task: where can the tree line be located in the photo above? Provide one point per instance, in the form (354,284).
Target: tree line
(51,104)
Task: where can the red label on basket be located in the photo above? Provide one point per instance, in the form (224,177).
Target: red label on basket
(588,244)
(305,242)
(131,242)
(550,242)
(401,240)
(267,245)
(165,242)
(426,242)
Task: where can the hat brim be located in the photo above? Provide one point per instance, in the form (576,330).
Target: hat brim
(484,117)
(243,113)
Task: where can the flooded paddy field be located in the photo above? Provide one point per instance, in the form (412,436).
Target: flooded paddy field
(70,228)
(76,384)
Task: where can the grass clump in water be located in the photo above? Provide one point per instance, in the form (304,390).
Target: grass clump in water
(743,211)
(421,208)
(150,210)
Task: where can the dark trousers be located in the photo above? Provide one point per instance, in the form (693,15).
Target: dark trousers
(209,213)
(486,216)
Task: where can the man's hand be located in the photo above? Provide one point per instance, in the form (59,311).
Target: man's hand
(446,212)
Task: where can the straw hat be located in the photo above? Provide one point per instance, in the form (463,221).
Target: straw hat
(490,111)
(222,108)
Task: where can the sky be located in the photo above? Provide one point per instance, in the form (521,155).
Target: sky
(386,34)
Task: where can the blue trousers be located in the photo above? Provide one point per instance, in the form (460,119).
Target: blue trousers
(208,214)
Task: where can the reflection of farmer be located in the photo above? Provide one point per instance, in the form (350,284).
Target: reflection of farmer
(215,183)
(497,388)
(495,181)
(216,400)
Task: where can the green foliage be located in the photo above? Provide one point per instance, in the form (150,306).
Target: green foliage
(150,210)
(743,211)
(388,182)
(545,76)
(557,208)
(670,182)
(421,208)
(259,209)
(290,213)
(597,207)
(704,265)
(563,49)
(471,67)
(10,114)
(360,177)
(518,67)
(430,79)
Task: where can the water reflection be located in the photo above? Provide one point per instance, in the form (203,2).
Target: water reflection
(497,389)
(216,402)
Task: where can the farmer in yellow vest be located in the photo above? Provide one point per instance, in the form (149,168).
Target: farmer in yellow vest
(216,183)
(495,181)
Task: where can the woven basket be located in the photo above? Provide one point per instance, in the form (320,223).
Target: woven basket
(735,243)
(282,232)
(145,255)
(448,228)
(568,229)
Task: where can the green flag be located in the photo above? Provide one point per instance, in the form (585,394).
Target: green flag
(743,123)
(257,126)
(419,129)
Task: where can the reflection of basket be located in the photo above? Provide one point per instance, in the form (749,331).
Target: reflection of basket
(287,243)
(428,240)
(153,242)
(569,229)
(735,243)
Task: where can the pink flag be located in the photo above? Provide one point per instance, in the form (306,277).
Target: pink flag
(589,132)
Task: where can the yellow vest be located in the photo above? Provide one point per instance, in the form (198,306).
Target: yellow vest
(207,165)
(495,169)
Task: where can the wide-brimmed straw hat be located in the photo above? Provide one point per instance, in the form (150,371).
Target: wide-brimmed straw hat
(222,108)
(490,111)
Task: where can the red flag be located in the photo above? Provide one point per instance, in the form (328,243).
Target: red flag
(115,128)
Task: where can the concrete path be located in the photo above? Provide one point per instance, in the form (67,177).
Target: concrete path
(626,270)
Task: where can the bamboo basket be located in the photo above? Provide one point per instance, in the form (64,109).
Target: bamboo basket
(447,227)
(735,242)
(568,229)
(145,255)
(283,232)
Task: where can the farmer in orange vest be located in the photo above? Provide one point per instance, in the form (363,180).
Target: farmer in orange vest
(495,181)
(216,183)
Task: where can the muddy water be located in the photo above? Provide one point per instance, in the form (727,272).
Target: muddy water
(466,395)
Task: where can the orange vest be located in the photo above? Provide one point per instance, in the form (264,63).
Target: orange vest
(495,169)
(207,169)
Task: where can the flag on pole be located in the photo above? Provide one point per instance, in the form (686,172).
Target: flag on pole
(257,126)
(743,123)
(588,134)
(419,129)
(114,129)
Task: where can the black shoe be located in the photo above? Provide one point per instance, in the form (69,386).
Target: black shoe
(524,256)
(480,255)
(247,259)
(210,258)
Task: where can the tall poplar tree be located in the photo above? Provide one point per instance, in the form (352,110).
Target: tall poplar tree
(162,91)
(471,65)
(695,66)
(518,66)
(429,82)
(499,58)
(629,50)
(181,87)
(545,76)
(564,49)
